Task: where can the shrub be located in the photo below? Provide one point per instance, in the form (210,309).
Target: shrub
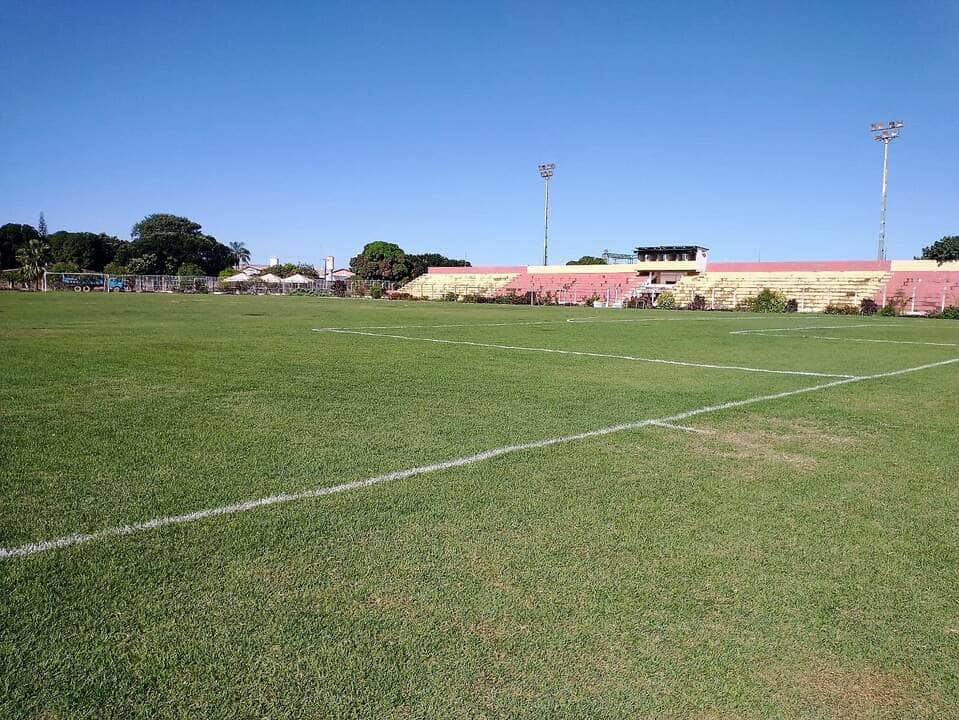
(666,301)
(898,302)
(399,296)
(887,310)
(766,301)
(868,307)
(300,292)
(376,292)
(339,288)
(841,309)
(698,303)
(640,302)
(591,300)
(792,305)
(949,313)
(450,297)
(64,267)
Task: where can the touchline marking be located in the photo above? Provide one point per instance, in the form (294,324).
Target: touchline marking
(684,428)
(133,528)
(811,327)
(591,319)
(865,340)
(633,358)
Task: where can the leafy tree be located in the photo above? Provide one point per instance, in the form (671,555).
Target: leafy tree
(90,251)
(241,255)
(13,236)
(115,268)
(189,270)
(418,264)
(42,227)
(588,260)
(943,250)
(142,265)
(165,242)
(64,267)
(33,258)
(381,261)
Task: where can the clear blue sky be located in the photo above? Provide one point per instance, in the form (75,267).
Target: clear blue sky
(306,129)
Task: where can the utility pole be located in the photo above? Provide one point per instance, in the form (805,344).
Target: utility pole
(884,133)
(546,172)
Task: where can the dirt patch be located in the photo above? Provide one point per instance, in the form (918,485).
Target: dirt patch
(830,689)
(775,442)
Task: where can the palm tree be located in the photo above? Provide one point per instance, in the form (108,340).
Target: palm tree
(240,254)
(33,258)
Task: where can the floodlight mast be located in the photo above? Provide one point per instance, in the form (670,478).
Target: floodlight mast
(546,172)
(884,133)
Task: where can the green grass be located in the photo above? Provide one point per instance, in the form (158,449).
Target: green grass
(798,560)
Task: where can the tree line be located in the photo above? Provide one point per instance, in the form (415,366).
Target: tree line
(160,244)
(388,262)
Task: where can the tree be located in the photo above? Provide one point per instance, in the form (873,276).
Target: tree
(42,227)
(33,258)
(165,242)
(89,250)
(241,255)
(189,270)
(13,236)
(419,264)
(381,261)
(588,260)
(943,250)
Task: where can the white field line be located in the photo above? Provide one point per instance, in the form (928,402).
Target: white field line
(752,331)
(138,527)
(684,428)
(591,319)
(581,353)
(861,340)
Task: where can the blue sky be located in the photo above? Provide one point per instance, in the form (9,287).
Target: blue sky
(306,129)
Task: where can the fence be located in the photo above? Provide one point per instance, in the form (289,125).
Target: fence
(101,282)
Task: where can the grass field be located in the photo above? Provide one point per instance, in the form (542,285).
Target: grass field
(790,556)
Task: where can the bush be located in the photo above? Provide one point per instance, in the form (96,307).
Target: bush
(376,292)
(698,303)
(766,301)
(300,292)
(841,309)
(591,300)
(792,305)
(640,302)
(339,288)
(949,313)
(868,307)
(887,310)
(64,267)
(450,297)
(898,302)
(666,301)
(399,296)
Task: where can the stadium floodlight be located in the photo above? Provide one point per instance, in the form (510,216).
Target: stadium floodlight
(546,172)
(884,133)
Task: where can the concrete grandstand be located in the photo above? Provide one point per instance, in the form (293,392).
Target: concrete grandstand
(917,286)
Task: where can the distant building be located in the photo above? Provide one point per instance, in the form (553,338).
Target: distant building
(343,274)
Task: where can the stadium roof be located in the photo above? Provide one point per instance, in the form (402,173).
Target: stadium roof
(669,248)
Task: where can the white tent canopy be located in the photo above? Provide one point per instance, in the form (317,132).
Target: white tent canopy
(239,277)
(270,278)
(298,278)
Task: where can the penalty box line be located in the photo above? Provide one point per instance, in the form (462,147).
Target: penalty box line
(668,421)
(582,353)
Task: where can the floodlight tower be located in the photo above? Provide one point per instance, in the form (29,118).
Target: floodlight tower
(884,133)
(546,172)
